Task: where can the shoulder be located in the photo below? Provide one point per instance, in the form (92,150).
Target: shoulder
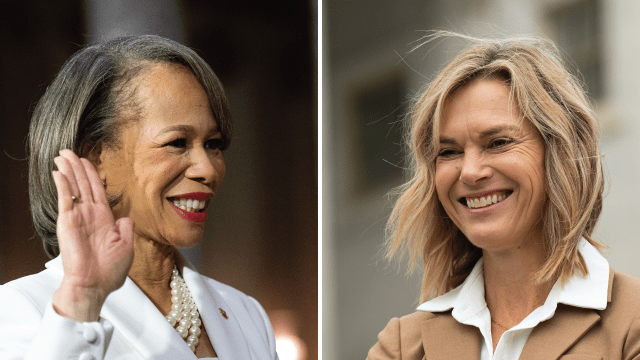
(34,291)
(621,319)
(401,337)
(406,327)
(625,289)
(624,297)
(23,303)
(409,325)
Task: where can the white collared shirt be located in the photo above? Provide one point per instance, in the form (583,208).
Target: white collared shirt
(469,306)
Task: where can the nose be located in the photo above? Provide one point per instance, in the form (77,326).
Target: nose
(473,169)
(205,168)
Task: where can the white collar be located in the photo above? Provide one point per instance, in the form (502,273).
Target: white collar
(467,300)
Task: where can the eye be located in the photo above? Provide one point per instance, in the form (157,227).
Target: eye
(177,143)
(500,142)
(447,153)
(215,144)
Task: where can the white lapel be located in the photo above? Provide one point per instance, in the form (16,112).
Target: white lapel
(140,322)
(225,333)
(146,329)
(143,325)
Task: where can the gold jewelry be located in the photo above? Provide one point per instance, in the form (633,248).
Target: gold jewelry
(76,199)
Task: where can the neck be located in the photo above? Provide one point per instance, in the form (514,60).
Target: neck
(151,271)
(511,291)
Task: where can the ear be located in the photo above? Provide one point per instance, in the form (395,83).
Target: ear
(97,158)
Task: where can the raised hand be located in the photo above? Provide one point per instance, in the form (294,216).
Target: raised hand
(96,250)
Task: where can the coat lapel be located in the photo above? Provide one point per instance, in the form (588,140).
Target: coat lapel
(224,332)
(552,338)
(143,325)
(441,331)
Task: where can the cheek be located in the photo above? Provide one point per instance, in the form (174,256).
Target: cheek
(536,175)
(220,167)
(444,178)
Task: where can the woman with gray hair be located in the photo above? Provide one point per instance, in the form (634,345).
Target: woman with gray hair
(137,128)
(505,194)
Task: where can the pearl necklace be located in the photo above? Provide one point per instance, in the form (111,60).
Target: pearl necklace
(184,314)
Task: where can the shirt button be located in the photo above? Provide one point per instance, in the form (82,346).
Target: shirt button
(89,334)
(86,356)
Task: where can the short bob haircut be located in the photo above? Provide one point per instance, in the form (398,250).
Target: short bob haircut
(548,96)
(87,103)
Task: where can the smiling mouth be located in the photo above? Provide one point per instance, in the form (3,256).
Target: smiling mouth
(189,205)
(484,201)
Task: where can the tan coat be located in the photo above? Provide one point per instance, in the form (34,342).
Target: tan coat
(572,333)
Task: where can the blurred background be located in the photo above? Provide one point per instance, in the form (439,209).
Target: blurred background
(368,77)
(262,235)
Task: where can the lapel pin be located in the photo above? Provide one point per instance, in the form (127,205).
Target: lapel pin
(224,313)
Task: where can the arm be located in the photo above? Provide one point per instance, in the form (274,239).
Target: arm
(96,252)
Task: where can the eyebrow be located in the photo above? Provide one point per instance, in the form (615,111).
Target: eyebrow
(485,134)
(185,129)
(178,128)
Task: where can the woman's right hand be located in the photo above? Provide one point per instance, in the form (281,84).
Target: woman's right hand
(96,250)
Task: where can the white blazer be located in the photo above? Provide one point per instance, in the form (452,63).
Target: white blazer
(130,325)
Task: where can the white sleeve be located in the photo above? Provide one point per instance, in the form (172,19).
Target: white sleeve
(270,336)
(26,332)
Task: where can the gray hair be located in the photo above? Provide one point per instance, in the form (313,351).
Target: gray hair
(83,110)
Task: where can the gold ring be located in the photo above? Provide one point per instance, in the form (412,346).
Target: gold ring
(75,199)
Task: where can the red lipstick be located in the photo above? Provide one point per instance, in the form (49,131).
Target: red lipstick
(188,215)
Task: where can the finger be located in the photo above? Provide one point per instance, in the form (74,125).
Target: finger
(97,189)
(64,167)
(81,176)
(65,203)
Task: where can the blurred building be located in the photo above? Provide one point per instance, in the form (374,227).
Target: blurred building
(262,235)
(369,76)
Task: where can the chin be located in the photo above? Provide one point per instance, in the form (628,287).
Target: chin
(186,240)
(490,240)
(185,244)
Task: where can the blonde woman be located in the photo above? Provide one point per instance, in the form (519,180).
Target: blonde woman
(506,191)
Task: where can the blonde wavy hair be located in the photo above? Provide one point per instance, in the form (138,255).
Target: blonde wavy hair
(555,103)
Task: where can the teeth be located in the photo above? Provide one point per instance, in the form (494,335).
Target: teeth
(189,204)
(485,201)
